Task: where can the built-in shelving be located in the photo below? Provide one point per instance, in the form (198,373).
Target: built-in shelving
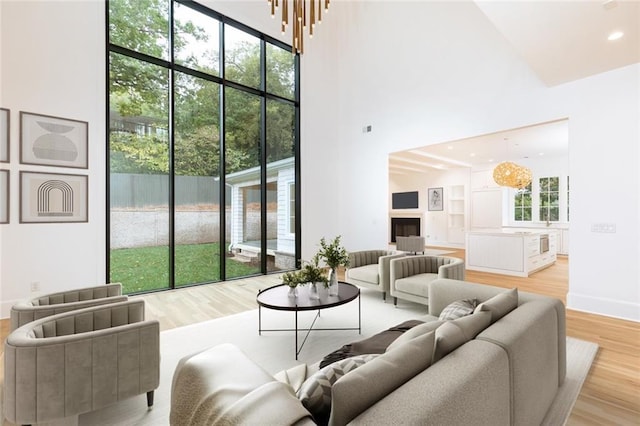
(456,217)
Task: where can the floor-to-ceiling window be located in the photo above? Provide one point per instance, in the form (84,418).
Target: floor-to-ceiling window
(203,130)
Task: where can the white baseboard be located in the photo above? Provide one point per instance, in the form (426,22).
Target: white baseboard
(604,306)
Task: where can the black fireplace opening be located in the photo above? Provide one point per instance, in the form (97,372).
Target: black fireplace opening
(404,227)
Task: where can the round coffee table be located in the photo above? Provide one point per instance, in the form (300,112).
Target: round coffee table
(277,298)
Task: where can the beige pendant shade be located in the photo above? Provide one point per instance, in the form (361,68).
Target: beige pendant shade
(511,175)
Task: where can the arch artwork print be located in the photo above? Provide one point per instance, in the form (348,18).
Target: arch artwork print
(53,197)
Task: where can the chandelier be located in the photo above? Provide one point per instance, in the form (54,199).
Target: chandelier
(512,175)
(303,12)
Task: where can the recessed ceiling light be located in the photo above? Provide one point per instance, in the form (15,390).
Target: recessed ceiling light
(541,154)
(616,35)
(473,154)
(450,147)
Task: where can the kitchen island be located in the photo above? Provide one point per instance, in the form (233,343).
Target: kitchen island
(510,252)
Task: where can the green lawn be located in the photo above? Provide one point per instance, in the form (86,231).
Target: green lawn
(147,268)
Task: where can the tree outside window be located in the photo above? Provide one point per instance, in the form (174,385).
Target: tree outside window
(549,199)
(522,204)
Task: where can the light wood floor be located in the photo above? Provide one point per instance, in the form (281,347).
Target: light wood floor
(610,395)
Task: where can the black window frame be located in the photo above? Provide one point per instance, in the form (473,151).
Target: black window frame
(223,82)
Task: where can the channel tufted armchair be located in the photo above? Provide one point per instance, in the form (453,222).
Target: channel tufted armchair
(56,303)
(410,276)
(79,361)
(370,269)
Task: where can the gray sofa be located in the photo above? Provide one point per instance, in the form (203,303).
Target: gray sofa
(411,276)
(494,367)
(79,361)
(370,269)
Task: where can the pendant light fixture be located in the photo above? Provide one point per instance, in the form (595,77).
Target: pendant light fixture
(304,14)
(512,175)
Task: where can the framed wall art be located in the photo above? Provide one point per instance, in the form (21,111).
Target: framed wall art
(53,197)
(435,199)
(53,141)
(4,196)
(5,121)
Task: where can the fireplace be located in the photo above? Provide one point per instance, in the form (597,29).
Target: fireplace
(404,227)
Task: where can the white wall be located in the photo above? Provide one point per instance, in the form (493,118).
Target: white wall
(53,63)
(418,72)
(429,72)
(434,224)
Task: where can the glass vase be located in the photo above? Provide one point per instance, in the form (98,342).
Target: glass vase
(313,291)
(293,291)
(333,282)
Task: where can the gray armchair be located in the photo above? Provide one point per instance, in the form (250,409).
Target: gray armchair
(56,303)
(79,361)
(410,244)
(370,269)
(410,276)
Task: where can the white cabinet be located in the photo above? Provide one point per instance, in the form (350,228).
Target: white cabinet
(563,244)
(509,252)
(486,208)
(483,179)
(456,214)
(495,253)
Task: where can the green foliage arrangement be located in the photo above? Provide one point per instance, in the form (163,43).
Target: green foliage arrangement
(312,272)
(333,253)
(292,278)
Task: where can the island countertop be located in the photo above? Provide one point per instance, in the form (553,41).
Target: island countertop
(510,251)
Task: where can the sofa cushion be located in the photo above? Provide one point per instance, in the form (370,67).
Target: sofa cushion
(500,304)
(453,334)
(367,273)
(360,389)
(315,392)
(457,309)
(414,332)
(375,344)
(294,376)
(416,284)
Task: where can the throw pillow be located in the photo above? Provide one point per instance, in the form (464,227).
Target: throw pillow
(294,376)
(449,336)
(473,324)
(500,304)
(414,332)
(458,309)
(452,334)
(315,392)
(360,389)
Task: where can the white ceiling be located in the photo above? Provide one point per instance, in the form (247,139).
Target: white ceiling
(566,40)
(562,41)
(546,140)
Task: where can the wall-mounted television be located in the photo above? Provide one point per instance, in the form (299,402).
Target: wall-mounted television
(404,200)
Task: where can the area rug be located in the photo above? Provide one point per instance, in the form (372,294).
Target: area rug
(275,351)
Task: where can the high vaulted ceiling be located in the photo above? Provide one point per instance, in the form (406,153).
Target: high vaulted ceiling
(565,40)
(562,41)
